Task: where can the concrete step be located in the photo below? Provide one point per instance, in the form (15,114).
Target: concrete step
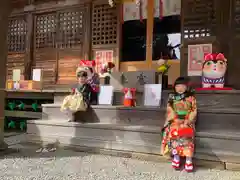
(205,99)
(109,114)
(215,146)
(226,120)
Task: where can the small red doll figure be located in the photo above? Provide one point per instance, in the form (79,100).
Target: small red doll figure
(213,70)
(129,97)
(179,129)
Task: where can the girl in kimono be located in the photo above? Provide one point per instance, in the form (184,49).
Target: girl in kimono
(179,129)
(93,78)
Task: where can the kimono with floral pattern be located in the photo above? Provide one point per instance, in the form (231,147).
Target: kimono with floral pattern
(181,113)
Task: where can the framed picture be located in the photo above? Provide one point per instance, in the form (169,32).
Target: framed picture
(105,95)
(196,58)
(152,94)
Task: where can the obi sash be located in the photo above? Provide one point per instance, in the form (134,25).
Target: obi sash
(206,80)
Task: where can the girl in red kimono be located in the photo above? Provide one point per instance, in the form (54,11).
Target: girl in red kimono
(179,129)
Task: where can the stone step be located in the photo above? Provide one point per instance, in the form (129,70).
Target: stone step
(208,119)
(205,99)
(219,146)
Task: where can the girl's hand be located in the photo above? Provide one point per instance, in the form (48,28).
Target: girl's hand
(183,125)
(73,90)
(186,123)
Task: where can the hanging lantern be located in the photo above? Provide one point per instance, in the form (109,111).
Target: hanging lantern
(138,2)
(111,3)
(160,9)
(139,7)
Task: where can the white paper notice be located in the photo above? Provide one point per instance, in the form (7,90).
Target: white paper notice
(152,94)
(16,74)
(37,75)
(105,95)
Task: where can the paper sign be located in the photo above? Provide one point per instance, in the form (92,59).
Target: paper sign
(105,95)
(16,74)
(196,58)
(152,94)
(103,57)
(37,75)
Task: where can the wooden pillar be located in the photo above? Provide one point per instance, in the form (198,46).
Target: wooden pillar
(29,47)
(4,13)
(150,20)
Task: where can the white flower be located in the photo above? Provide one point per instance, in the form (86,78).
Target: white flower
(161,62)
(174,151)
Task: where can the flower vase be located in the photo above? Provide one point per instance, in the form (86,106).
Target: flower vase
(164,81)
(107,79)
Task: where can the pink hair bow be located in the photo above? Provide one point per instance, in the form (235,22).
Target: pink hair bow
(88,63)
(208,57)
(220,56)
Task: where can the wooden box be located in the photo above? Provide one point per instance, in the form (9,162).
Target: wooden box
(30,85)
(9,84)
(133,79)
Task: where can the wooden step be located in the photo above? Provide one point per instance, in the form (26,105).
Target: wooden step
(23,114)
(134,138)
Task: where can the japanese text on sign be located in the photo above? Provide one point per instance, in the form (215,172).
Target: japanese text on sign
(196,58)
(103,57)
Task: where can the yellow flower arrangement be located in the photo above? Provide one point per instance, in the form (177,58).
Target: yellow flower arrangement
(164,65)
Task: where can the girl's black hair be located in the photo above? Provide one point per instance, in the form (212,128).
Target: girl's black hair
(82,74)
(181,80)
(90,69)
(189,91)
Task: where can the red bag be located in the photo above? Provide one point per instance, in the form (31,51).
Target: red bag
(182,132)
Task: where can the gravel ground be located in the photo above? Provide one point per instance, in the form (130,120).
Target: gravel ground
(72,165)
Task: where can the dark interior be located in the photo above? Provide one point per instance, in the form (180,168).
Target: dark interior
(134,38)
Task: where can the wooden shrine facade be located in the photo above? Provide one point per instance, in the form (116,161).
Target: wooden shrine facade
(216,22)
(55,35)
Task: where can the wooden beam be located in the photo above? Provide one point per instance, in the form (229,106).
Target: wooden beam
(4,13)
(29,47)
(87,32)
(150,20)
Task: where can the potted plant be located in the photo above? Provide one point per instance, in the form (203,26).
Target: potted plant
(106,70)
(163,68)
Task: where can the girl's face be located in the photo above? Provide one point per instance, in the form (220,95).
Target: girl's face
(82,80)
(180,88)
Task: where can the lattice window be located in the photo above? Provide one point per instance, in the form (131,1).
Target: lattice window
(45,31)
(196,33)
(199,18)
(236,16)
(17,31)
(104,25)
(70,28)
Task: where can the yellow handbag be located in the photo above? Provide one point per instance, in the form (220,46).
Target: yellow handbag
(74,103)
(77,103)
(65,104)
